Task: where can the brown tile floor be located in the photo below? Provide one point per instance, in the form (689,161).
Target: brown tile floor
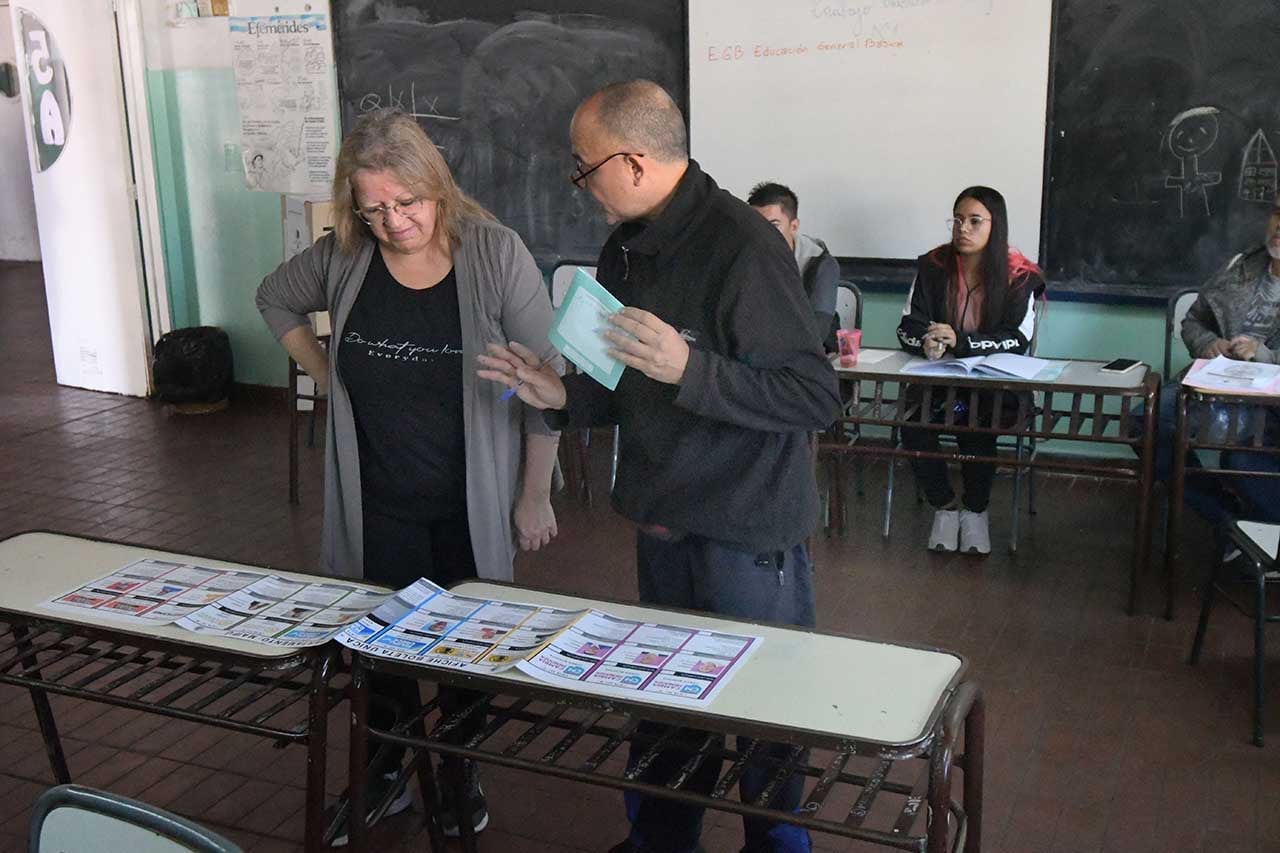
(1101,738)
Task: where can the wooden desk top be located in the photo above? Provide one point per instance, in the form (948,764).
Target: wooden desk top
(35,567)
(838,686)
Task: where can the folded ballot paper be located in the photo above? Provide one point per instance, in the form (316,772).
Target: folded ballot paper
(577,330)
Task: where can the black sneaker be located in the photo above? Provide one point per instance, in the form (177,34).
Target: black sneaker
(379,787)
(473,802)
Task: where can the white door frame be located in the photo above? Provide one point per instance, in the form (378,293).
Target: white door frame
(133,73)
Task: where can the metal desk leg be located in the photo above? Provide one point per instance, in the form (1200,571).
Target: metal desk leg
(430,796)
(1206,605)
(358,751)
(1031,477)
(1259,651)
(454,782)
(835,493)
(975,737)
(1146,482)
(293,432)
(44,714)
(317,744)
(1177,494)
(888,489)
(1018,471)
(964,708)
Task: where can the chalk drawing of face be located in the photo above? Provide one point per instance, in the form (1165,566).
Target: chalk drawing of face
(1194,132)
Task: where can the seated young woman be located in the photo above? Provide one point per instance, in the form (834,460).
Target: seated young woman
(972,296)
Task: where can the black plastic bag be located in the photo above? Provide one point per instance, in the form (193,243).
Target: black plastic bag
(192,365)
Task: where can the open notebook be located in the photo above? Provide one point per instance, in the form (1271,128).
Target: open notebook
(1000,366)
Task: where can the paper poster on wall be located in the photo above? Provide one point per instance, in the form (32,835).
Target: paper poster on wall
(283,55)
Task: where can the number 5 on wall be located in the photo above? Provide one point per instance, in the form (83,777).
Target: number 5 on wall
(50,93)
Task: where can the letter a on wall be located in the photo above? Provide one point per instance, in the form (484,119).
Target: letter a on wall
(50,104)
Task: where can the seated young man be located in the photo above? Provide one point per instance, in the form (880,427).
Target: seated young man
(1236,315)
(820,271)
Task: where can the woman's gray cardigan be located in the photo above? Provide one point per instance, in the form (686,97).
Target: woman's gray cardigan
(501,297)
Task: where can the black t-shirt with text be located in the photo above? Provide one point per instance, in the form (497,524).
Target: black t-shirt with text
(400,358)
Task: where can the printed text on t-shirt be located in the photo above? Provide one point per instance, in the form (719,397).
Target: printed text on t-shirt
(401,351)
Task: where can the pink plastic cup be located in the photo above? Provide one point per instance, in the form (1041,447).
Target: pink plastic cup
(849,342)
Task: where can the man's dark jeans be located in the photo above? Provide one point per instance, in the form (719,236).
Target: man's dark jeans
(702,574)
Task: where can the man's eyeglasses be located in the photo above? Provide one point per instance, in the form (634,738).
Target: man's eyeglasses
(957,223)
(378,215)
(580,175)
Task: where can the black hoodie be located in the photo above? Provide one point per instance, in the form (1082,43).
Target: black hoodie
(927,303)
(726,453)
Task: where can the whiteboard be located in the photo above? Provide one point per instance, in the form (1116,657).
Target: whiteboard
(876,113)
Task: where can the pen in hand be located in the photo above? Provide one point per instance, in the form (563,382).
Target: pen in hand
(510,392)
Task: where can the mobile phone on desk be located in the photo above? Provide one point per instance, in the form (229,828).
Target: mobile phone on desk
(1120,365)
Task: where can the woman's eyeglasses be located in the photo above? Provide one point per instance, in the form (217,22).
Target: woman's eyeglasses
(378,215)
(957,223)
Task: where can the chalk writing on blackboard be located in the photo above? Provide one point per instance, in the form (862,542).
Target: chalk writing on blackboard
(405,102)
(1192,134)
(1258,171)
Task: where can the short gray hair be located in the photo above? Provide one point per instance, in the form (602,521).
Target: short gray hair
(640,114)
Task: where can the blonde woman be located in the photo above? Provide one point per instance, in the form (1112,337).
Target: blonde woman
(428,471)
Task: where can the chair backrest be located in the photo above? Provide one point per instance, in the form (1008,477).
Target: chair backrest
(72,819)
(1042,311)
(849,305)
(561,277)
(1179,304)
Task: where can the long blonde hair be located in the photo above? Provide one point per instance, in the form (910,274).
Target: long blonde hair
(390,141)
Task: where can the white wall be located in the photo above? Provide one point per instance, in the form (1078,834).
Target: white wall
(189,43)
(19,240)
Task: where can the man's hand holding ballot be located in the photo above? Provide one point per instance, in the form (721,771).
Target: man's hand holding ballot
(643,341)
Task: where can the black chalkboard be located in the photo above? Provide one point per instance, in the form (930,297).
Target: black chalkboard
(1164,128)
(495,82)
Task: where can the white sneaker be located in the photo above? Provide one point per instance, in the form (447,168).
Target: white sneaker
(975,535)
(946,530)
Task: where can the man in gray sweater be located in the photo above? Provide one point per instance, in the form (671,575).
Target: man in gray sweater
(1237,311)
(1236,315)
(819,271)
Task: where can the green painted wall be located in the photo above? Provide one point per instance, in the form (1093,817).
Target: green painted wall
(220,239)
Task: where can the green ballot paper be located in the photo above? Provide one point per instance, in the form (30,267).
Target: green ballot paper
(577,330)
